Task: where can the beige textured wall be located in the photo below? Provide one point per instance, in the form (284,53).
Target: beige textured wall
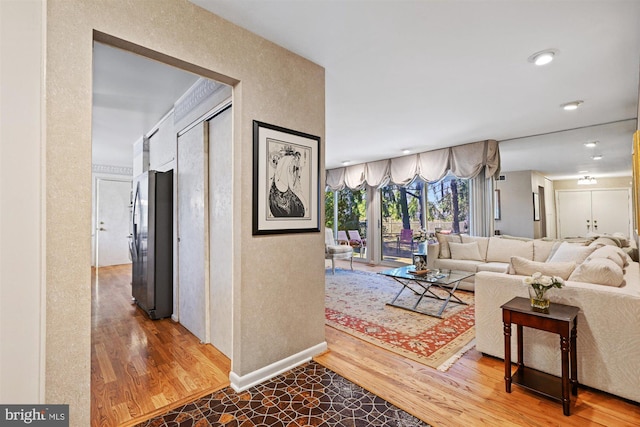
(278,280)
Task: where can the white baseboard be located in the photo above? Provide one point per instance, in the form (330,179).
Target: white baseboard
(241,383)
(175,318)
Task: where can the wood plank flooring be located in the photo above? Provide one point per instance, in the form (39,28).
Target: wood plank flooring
(141,368)
(470,393)
(139,365)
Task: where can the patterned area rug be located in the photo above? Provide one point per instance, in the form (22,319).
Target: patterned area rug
(355,302)
(309,395)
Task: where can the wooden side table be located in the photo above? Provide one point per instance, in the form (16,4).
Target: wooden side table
(561,319)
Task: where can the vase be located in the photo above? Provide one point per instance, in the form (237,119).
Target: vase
(422,247)
(539,300)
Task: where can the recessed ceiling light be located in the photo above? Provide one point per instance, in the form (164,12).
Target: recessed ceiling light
(570,106)
(597,157)
(581,172)
(591,144)
(543,57)
(406,151)
(345,162)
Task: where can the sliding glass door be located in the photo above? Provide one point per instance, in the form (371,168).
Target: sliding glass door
(402,215)
(350,218)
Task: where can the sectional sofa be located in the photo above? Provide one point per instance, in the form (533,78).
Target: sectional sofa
(600,278)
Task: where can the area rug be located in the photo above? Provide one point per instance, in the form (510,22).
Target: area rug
(309,395)
(355,303)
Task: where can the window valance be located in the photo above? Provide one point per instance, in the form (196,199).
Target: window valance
(464,161)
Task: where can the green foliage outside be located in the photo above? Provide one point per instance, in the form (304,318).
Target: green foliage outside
(447,202)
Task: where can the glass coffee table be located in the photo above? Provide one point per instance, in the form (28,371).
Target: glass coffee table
(422,285)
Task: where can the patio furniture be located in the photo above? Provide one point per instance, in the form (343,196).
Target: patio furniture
(406,236)
(343,239)
(334,251)
(357,242)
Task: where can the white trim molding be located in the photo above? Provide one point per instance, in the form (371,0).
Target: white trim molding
(112,170)
(242,383)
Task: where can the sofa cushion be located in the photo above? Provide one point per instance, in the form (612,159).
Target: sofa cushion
(600,271)
(526,267)
(501,250)
(542,249)
(465,251)
(497,267)
(444,240)
(613,253)
(458,264)
(571,252)
(483,243)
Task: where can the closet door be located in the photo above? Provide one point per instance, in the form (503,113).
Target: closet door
(610,211)
(574,213)
(193,231)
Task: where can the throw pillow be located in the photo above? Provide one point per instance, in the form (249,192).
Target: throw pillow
(599,271)
(613,253)
(571,252)
(603,241)
(501,250)
(525,267)
(542,249)
(443,240)
(483,244)
(470,251)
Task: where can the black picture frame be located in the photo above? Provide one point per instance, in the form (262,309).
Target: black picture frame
(536,207)
(286,180)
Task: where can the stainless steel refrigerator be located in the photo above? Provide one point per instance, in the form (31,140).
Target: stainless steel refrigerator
(151,244)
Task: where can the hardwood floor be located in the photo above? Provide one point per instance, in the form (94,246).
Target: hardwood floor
(470,393)
(144,367)
(141,368)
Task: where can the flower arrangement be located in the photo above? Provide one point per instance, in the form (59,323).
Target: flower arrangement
(420,235)
(538,287)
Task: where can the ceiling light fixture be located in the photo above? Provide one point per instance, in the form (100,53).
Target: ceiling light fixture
(346,162)
(570,106)
(587,180)
(597,157)
(543,57)
(591,144)
(406,151)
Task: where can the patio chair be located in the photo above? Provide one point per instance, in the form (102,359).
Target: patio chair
(356,241)
(343,239)
(334,251)
(406,236)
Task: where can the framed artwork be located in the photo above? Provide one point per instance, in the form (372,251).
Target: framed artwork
(536,207)
(286,179)
(496,207)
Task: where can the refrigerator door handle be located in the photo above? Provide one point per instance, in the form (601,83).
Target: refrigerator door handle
(133,244)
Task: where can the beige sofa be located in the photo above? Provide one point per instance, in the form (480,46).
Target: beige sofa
(475,254)
(608,332)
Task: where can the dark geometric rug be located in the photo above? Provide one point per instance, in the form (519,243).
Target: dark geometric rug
(309,395)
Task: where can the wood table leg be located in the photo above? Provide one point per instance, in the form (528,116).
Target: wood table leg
(566,401)
(507,355)
(574,357)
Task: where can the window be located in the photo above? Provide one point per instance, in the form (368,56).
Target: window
(448,205)
(351,214)
(402,214)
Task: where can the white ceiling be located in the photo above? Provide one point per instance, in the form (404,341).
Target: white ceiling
(422,75)
(130,95)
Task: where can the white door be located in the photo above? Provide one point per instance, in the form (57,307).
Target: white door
(595,211)
(112,222)
(193,231)
(574,213)
(610,211)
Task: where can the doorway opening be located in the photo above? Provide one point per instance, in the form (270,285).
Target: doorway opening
(139,366)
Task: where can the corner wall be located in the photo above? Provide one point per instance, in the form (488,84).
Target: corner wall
(21,204)
(278,281)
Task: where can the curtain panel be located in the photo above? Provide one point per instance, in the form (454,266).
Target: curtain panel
(464,161)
